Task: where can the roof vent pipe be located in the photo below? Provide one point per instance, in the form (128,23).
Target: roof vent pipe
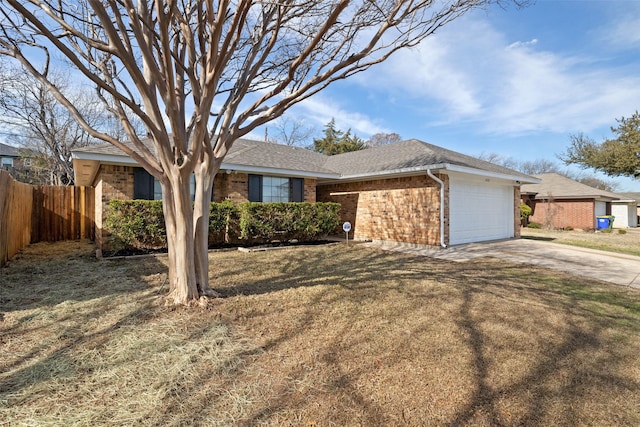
(439,181)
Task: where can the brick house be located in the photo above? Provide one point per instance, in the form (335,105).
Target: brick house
(9,157)
(559,202)
(410,191)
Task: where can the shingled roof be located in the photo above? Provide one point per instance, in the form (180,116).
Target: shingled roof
(560,187)
(631,196)
(404,157)
(244,152)
(409,155)
(8,151)
(260,154)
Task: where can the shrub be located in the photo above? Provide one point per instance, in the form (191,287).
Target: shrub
(224,222)
(622,231)
(525,212)
(287,221)
(568,228)
(534,225)
(136,224)
(139,224)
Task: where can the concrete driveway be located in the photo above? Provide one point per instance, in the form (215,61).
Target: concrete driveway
(607,266)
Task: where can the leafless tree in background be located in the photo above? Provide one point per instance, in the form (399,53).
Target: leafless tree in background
(45,131)
(292,132)
(382,139)
(540,166)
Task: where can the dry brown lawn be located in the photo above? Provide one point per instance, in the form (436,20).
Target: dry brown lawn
(315,336)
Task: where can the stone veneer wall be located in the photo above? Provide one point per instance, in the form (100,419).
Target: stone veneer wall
(405,209)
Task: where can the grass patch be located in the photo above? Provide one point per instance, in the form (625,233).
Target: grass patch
(624,243)
(314,336)
(602,246)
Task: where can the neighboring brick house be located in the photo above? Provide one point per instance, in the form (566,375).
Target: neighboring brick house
(410,192)
(9,157)
(559,202)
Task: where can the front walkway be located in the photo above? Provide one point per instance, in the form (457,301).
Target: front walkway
(610,267)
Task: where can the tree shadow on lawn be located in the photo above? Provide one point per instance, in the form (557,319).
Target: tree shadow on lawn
(482,342)
(57,297)
(357,336)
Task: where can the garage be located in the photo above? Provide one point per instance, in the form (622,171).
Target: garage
(480,209)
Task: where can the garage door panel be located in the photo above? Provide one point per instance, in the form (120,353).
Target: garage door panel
(479,211)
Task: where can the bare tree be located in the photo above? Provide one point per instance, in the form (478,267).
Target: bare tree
(288,131)
(46,131)
(540,166)
(378,139)
(201,74)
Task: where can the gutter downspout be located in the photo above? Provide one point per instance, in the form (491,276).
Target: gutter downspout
(439,181)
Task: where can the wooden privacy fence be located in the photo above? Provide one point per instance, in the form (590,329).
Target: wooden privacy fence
(16,202)
(30,214)
(62,213)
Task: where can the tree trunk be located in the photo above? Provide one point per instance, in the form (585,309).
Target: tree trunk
(204,182)
(178,213)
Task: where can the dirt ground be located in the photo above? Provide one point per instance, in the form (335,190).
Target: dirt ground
(318,336)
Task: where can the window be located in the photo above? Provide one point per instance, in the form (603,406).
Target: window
(7,161)
(275,189)
(146,187)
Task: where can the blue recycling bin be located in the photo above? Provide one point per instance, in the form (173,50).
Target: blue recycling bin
(604,222)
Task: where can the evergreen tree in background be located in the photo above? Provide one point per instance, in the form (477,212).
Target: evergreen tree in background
(337,142)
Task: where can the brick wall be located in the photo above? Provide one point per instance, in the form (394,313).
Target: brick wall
(564,213)
(310,185)
(233,186)
(397,209)
(112,182)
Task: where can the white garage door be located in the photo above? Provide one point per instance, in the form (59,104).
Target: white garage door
(479,211)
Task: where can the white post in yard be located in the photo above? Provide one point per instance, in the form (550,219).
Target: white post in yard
(347,227)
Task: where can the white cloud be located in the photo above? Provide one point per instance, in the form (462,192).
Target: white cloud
(470,73)
(433,71)
(623,31)
(320,110)
(523,44)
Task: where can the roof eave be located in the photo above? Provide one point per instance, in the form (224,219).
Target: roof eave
(392,173)
(521,179)
(576,197)
(233,167)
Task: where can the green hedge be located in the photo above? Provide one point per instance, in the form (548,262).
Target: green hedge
(287,221)
(139,224)
(136,224)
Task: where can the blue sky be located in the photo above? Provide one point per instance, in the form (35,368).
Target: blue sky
(513,82)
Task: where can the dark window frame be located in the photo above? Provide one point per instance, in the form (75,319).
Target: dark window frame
(255,188)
